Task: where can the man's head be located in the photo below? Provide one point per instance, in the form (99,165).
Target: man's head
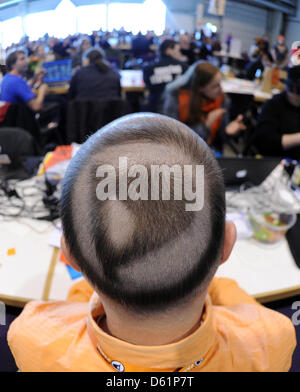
(85,44)
(185,40)
(281,40)
(293,85)
(145,255)
(171,48)
(17,61)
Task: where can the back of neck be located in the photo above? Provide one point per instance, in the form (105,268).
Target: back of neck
(13,72)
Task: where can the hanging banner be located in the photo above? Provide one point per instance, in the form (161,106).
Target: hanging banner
(199,15)
(217,7)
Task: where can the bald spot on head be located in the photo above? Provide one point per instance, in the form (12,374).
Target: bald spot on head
(124,221)
(121,222)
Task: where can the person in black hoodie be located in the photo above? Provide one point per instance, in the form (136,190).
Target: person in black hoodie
(96,79)
(157,74)
(278,129)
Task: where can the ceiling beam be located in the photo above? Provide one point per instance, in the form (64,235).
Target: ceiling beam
(5,3)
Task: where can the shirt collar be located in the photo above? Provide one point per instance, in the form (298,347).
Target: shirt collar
(15,73)
(124,356)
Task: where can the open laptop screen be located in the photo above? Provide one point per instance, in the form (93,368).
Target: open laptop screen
(237,171)
(58,71)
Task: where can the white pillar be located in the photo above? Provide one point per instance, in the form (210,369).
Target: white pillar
(292,32)
(23,12)
(107,14)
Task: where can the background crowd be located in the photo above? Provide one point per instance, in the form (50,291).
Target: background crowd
(176,84)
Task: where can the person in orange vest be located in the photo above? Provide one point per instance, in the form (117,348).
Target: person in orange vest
(197,99)
(152,303)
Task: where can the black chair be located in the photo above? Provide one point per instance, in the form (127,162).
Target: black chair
(81,118)
(17,142)
(21,116)
(22,150)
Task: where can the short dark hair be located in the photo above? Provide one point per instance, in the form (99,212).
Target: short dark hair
(166,44)
(12,59)
(145,255)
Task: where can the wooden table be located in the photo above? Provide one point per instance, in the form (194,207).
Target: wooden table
(132,80)
(245,87)
(34,273)
(24,276)
(268,272)
(229,55)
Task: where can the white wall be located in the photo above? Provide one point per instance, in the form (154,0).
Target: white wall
(292,31)
(242,21)
(178,21)
(293,27)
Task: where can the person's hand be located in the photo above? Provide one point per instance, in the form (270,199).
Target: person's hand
(43,88)
(39,73)
(37,79)
(213,116)
(236,126)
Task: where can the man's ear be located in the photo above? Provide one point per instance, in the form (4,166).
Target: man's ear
(65,251)
(229,240)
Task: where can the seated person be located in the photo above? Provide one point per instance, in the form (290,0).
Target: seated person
(151,264)
(84,45)
(188,48)
(141,45)
(94,38)
(14,88)
(36,60)
(96,79)
(63,49)
(158,74)
(197,99)
(206,49)
(280,53)
(278,128)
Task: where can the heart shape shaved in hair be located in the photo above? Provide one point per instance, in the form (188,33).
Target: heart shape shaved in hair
(145,254)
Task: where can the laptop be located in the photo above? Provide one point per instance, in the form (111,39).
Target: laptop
(58,72)
(113,41)
(237,171)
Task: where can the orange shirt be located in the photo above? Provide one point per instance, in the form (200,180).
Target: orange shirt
(184,99)
(236,334)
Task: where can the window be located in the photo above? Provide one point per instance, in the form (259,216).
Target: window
(11,31)
(65,19)
(150,15)
(58,23)
(91,17)
(40,23)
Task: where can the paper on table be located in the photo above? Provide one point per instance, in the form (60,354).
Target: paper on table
(55,236)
